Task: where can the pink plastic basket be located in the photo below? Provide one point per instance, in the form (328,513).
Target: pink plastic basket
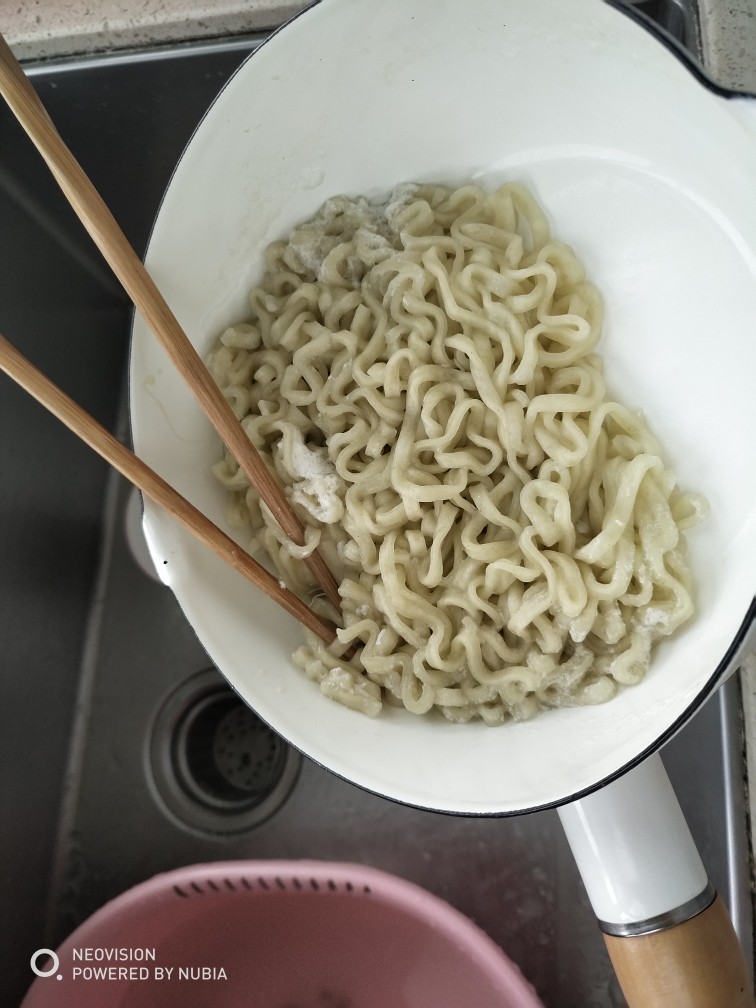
(278,934)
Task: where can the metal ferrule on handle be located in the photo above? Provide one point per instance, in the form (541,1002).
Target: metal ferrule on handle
(671,918)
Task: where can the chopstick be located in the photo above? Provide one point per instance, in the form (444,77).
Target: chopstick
(154,487)
(89,206)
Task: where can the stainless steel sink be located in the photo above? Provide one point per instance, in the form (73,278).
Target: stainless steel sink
(122,752)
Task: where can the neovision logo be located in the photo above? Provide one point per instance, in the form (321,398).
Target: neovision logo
(54,967)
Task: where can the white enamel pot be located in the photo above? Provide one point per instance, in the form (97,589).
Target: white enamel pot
(649,172)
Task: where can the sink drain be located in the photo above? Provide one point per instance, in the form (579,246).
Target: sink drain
(215,766)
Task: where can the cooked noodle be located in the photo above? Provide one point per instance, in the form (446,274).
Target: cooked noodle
(422,377)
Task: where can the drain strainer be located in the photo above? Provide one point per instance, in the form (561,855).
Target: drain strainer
(215,766)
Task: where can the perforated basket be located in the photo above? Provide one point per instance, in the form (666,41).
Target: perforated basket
(277,934)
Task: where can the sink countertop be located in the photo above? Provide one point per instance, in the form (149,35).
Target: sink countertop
(38,29)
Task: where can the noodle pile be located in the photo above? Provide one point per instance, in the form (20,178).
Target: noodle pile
(421,375)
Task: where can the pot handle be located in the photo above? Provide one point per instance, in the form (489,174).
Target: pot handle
(696,964)
(668,934)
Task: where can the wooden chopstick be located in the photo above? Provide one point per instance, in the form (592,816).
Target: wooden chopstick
(154,487)
(89,206)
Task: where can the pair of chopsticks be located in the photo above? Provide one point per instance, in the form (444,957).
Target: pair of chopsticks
(23,101)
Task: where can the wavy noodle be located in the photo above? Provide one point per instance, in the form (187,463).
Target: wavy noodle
(421,375)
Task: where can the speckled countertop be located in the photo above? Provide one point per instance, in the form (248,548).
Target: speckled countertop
(41,28)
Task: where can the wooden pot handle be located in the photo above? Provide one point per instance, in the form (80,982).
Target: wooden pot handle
(643,874)
(697,964)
